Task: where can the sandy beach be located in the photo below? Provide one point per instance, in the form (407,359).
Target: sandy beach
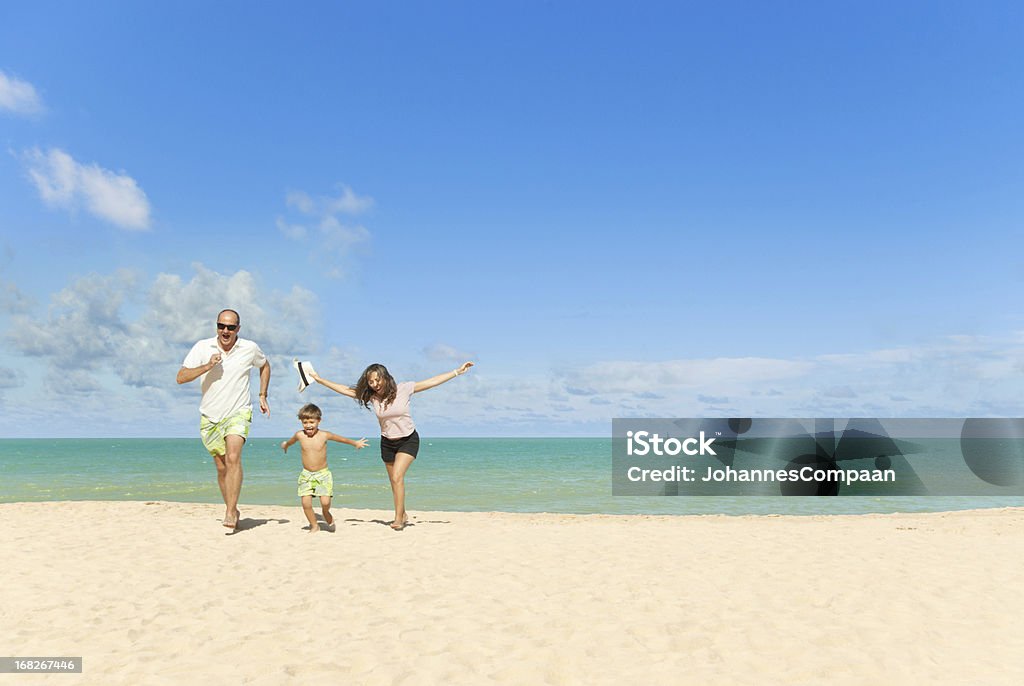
(160,593)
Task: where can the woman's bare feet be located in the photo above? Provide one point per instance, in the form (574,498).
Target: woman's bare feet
(398,527)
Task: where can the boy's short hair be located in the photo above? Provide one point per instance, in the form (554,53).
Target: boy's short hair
(310,411)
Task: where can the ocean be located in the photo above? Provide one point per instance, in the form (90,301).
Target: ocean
(563,475)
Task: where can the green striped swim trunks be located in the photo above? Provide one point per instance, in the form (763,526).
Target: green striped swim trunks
(213,433)
(316,483)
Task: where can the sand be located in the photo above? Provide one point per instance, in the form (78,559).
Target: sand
(161,593)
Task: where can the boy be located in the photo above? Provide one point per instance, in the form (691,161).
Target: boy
(316,479)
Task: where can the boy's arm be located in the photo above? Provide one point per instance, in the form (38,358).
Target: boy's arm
(358,445)
(441,378)
(290,442)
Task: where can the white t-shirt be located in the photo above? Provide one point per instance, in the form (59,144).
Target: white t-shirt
(395,420)
(226,386)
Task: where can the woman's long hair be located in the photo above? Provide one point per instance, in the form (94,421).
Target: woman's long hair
(387,392)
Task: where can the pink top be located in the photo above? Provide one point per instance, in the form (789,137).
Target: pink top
(395,420)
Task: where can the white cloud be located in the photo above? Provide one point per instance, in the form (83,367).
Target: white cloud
(63,182)
(116,340)
(73,382)
(638,377)
(346,361)
(300,201)
(442,352)
(341,238)
(331,239)
(13,300)
(839,392)
(19,97)
(949,377)
(348,202)
(84,323)
(10,378)
(88,331)
(295,232)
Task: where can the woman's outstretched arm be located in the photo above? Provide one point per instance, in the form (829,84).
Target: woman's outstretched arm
(441,378)
(336,387)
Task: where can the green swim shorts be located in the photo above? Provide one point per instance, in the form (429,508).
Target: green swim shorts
(316,483)
(213,433)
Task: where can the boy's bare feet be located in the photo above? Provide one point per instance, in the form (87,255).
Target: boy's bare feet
(329,520)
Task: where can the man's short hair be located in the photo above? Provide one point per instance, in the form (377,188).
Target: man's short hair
(309,411)
(238,319)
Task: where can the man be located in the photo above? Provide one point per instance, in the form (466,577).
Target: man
(224,363)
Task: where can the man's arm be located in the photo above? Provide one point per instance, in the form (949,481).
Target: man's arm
(358,445)
(264,385)
(189,374)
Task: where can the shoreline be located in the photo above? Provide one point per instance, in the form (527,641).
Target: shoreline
(571,476)
(822,500)
(152,591)
(255,508)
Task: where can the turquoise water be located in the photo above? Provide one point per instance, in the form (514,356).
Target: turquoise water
(569,475)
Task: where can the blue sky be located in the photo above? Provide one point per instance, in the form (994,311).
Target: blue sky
(615,209)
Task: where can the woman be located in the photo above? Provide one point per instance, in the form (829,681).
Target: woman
(399,441)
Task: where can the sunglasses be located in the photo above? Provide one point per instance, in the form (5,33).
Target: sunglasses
(229,327)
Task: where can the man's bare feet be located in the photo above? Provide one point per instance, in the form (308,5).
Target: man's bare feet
(232,522)
(314,529)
